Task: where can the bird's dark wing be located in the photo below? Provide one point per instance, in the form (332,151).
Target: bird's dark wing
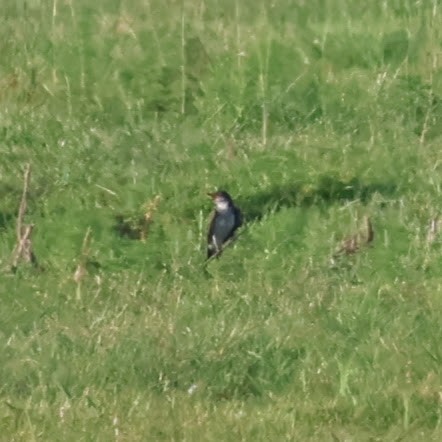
(237,225)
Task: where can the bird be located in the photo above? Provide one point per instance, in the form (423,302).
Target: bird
(353,243)
(225,220)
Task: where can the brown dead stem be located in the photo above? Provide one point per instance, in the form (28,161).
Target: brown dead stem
(23,249)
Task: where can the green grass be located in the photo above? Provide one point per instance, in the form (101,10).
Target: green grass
(311,114)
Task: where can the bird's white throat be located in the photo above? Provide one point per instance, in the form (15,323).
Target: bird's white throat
(222,205)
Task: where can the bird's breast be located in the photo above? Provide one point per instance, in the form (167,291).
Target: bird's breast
(224,224)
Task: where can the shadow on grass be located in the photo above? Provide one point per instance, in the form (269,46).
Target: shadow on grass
(327,191)
(6,219)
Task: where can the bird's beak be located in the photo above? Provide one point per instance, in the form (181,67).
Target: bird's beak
(211,194)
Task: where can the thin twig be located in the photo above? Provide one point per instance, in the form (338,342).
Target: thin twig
(23,249)
(86,242)
(433,230)
(23,205)
(81,271)
(106,190)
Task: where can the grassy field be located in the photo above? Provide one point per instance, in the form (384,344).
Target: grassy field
(312,114)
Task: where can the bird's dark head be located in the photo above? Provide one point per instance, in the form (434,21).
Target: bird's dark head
(221,199)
